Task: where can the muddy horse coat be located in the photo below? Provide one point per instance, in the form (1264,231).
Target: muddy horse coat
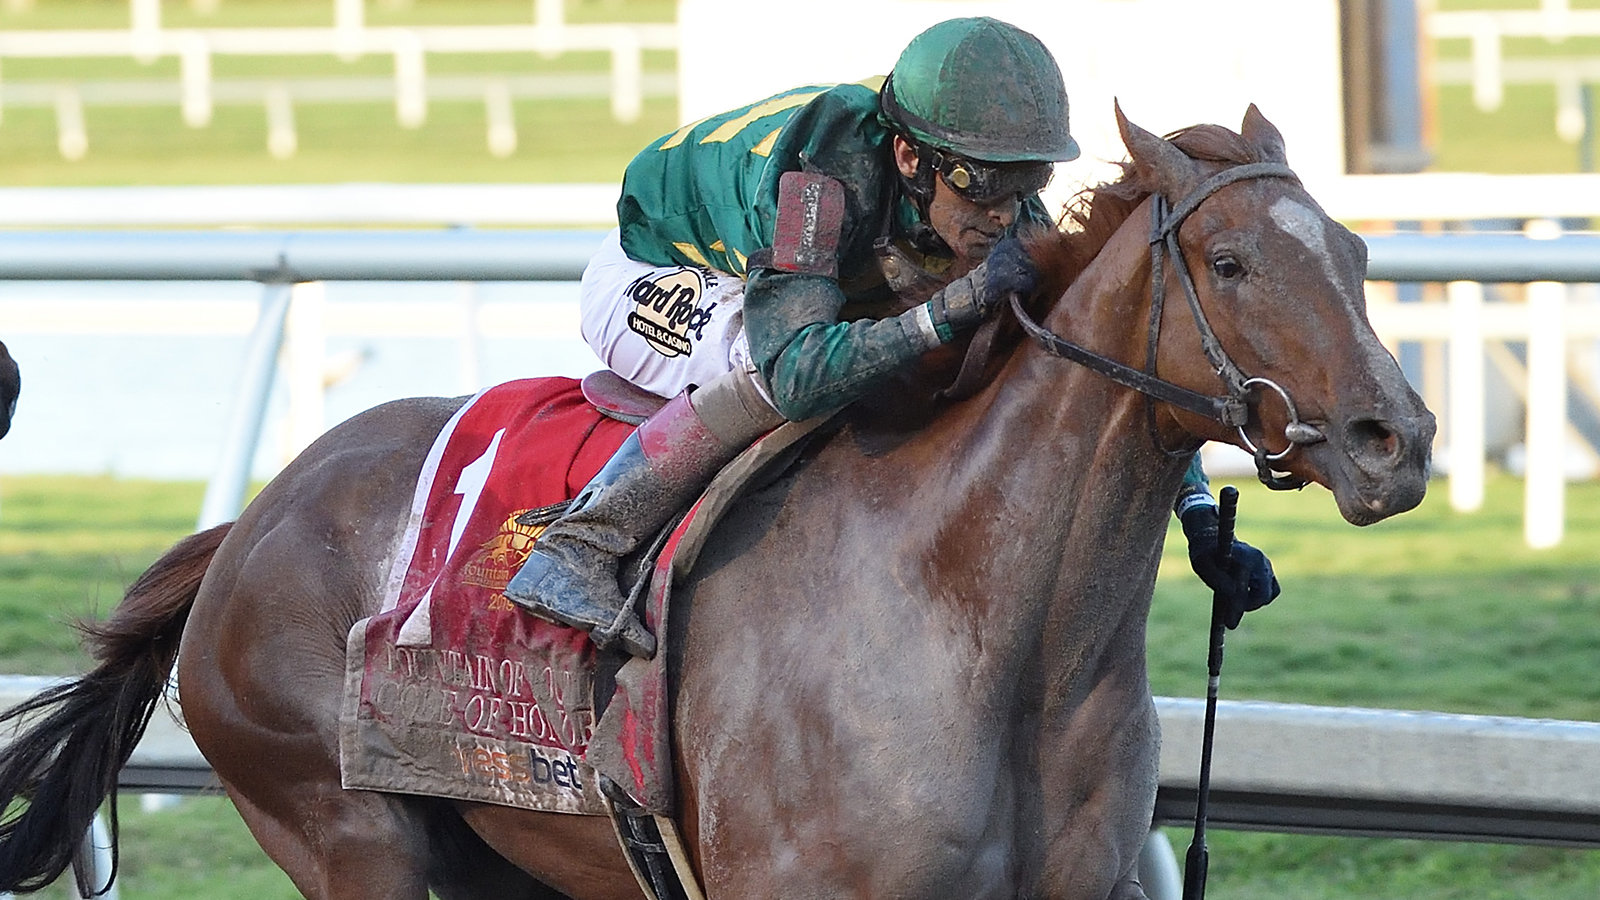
(913,668)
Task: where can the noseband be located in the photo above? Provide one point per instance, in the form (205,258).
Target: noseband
(1232,410)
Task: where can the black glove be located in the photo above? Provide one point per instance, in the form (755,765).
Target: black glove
(1245,582)
(1010,271)
(969,299)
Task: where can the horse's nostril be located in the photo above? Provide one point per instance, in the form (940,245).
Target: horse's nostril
(1372,438)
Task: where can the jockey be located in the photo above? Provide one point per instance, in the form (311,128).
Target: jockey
(753,248)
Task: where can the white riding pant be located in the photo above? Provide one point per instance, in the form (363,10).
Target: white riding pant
(663,328)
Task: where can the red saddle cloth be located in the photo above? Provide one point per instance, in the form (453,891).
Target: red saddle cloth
(451,690)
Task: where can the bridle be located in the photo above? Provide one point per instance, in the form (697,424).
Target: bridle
(1232,410)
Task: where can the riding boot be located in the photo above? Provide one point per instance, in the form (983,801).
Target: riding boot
(570,577)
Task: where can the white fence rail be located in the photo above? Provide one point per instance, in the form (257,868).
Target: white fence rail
(256,206)
(348,38)
(1549,321)
(1431,196)
(1488,71)
(1276,767)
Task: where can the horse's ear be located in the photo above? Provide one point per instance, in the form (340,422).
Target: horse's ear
(1263,135)
(1158,162)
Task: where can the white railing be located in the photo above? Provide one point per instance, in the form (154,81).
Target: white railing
(258,205)
(1488,71)
(196,92)
(1469,327)
(280,259)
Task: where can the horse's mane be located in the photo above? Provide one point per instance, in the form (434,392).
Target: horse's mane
(1062,254)
(1093,215)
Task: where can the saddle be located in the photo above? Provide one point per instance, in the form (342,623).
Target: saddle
(620,398)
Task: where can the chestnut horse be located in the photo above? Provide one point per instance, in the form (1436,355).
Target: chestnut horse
(914,667)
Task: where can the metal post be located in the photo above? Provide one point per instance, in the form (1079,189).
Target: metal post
(1570,116)
(1158,868)
(471,350)
(627,68)
(1545,438)
(305,357)
(94,863)
(282,141)
(144,29)
(349,23)
(1586,139)
(410,80)
(225,492)
(195,78)
(502,118)
(1466,387)
(1545,479)
(550,21)
(1488,85)
(72,135)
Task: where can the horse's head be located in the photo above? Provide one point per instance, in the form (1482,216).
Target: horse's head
(10,387)
(1278,285)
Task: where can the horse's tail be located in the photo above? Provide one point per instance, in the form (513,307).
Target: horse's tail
(64,762)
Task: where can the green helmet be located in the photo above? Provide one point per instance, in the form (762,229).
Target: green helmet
(982,89)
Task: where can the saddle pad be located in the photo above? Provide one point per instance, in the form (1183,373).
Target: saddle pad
(450,690)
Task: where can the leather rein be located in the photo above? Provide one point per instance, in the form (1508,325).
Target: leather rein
(1232,410)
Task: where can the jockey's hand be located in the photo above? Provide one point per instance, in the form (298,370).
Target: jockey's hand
(1245,582)
(970,299)
(1010,270)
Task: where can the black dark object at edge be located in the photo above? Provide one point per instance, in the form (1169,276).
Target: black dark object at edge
(1198,860)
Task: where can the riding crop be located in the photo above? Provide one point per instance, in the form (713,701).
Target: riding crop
(1195,864)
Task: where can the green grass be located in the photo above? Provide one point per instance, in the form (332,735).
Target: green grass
(1431,610)
(1518,138)
(68,547)
(1276,866)
(198,850)
(571,141)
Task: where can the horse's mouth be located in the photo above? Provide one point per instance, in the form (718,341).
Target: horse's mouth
(1375,468)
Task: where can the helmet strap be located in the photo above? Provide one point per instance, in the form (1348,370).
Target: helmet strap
(919,189)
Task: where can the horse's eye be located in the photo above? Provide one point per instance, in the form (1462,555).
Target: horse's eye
(1227,267)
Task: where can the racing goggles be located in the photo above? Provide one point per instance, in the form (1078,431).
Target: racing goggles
(988,183)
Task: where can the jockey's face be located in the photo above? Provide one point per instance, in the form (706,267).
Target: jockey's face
(971,229)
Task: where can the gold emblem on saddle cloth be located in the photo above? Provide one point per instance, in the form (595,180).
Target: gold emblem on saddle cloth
(501,556)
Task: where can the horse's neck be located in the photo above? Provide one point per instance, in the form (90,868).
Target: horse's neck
(1052,477)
